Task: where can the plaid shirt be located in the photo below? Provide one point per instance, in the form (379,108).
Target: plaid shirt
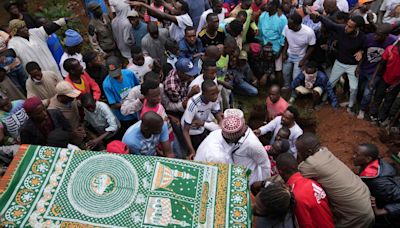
(175,89)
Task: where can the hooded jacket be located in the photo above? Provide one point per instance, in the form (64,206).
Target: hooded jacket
(380,178)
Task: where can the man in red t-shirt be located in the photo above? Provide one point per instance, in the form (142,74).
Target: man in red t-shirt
(388,88)
(312,208)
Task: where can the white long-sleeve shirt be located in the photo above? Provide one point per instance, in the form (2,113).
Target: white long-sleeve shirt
(102,119)
(275,125)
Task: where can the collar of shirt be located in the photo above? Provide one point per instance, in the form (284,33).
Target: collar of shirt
(294,178)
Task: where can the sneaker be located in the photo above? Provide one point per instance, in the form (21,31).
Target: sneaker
(384,123)
(361,115)
(291,100)
(373,118)
(350,111)
(344,104)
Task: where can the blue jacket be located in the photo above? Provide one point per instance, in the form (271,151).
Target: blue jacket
(321,81)
(185,51)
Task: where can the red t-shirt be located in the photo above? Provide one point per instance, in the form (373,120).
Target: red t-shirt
(312,209)
(392,72)
(276,109)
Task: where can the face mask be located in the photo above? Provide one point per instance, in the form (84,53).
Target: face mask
(36,81)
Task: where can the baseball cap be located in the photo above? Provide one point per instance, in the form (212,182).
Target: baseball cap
(65,88)
(132,13)
(243,55)
(93,5)
(114,66)
(187,67)
(362,2)
(117,147)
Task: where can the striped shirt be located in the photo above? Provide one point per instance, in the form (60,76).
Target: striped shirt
(198,110)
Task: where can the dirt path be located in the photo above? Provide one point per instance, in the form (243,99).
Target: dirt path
(340,132)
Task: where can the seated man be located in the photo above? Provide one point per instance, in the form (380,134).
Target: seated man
(143,137)
(190,46)
(209,72)
(140,64)
(41,84)
(384,185)
(276,105)
(13,116)
(196,123)
(41,122)
(81,80)
(236,143)
(312,207)
(100,117)
(348,196)
(313,81)
(288,119)
(241,76)
(116,87)
(176,84)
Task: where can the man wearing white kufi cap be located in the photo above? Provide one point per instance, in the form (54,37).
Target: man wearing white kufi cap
(236,143)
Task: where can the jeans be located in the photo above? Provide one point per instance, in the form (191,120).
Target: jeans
(388,100)
(367,93)
(246,89)
(290,69)
(337,70)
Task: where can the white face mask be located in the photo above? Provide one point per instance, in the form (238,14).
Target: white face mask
(36,81)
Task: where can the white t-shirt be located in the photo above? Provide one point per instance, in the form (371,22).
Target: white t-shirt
(198,81)
(300,40)
(177,32)
(342,5)
(65,56)
(275,125)
(196,109)
(214,149)
(388,6)
(203,19)
(140,71)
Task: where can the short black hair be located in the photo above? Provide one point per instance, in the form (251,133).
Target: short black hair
(185,6)
(286,162)
(58,138)
(242,13)
(236,26)
(311,64)
(209,63)
(372,150)
(135,50)
(32,66)
(68,63)
(296,18)
(229,40)
(189,28)
(170,44)
(87,99)
(359,20)
(151,76)
(285,145)
(342,16)
(148,85)
(285,130)
(207,84)
(89,56)
(210,15)
(294,111)
(277,200)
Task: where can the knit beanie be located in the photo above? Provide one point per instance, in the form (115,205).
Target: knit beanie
(72,38)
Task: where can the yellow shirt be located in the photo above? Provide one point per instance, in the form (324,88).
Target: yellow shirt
(80,86)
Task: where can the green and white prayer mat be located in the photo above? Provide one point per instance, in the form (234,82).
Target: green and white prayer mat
(54,187)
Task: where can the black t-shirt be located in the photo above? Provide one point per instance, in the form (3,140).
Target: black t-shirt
(207,40)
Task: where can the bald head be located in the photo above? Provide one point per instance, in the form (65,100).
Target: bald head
(287,165)
(152,123)
(330,6)
(307,144)
(152,28)
(212,52)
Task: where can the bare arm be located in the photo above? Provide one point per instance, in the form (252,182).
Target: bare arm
(154,12)
(188,141)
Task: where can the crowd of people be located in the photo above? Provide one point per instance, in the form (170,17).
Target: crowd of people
(160,78)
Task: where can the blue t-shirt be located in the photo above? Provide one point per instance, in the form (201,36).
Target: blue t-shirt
(102,6)
(55,47)
(138,33)
(116,91)
(139,145)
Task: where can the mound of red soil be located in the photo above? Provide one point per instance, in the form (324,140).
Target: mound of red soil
(341,132)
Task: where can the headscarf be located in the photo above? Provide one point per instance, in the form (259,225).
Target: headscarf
(233,127)
(14,25)
(31,103)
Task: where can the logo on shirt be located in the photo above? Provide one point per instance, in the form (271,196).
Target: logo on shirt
(319,193)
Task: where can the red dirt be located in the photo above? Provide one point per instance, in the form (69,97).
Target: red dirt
(340,132)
